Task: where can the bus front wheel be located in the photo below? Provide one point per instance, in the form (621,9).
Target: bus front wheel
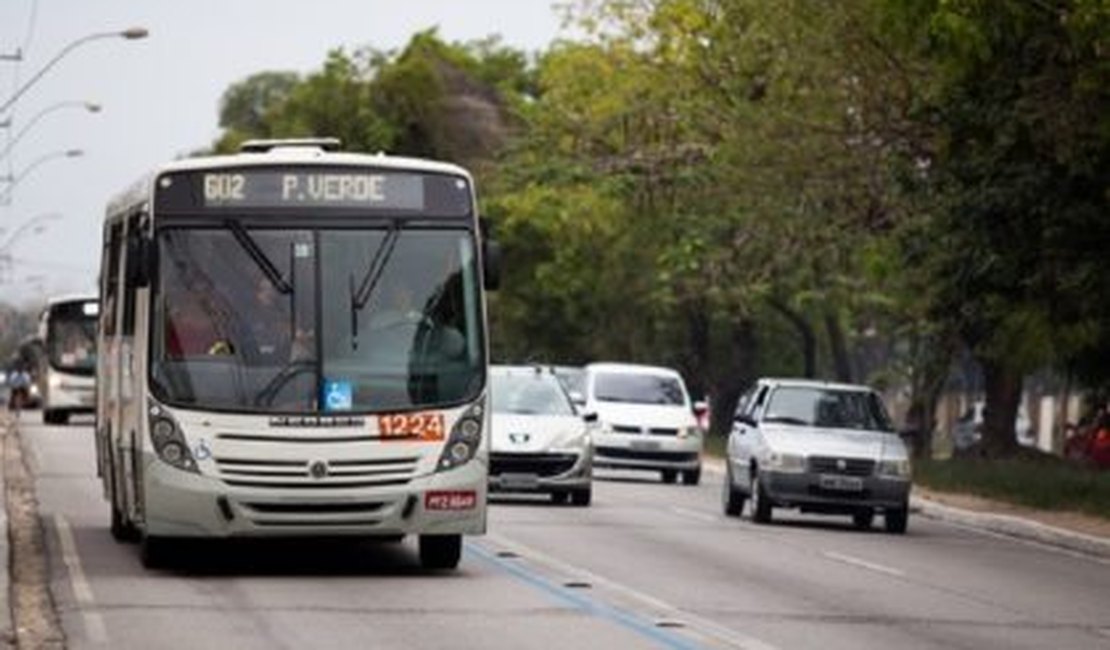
(155,552)
(440,551)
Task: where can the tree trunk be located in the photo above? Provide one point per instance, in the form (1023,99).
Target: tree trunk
(732,378)
(839,348)
(1002,387)
(805,333)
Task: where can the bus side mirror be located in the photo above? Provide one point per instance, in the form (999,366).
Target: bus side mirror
(491,264)
(137,270)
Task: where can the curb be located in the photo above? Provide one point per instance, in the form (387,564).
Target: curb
(1007,525)
(1013,526)
(7,629)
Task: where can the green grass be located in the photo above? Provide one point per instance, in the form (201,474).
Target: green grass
(1047,483)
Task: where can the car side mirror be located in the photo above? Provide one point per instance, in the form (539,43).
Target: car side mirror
(590,418)
(744,419)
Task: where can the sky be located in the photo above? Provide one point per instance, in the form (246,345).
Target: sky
(160,98)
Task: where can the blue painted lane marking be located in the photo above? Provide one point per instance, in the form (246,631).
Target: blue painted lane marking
(584,603)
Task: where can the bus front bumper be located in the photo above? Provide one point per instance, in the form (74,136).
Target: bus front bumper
(183,504)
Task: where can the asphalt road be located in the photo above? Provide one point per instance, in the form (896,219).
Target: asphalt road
(647,565)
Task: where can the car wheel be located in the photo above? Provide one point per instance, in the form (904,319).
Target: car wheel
(863,519)
(732,501)
(897,520)
(440,551)
(691,477)
(761,505)
(581,497)
(669,476)
(560,497)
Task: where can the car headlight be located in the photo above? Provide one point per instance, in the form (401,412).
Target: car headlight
(786,462)
(899,468)
(689,432)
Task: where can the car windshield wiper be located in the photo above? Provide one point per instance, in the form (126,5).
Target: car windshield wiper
(259,256)
(360,296)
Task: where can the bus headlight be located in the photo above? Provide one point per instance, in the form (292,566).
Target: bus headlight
(169,442)
(463,443)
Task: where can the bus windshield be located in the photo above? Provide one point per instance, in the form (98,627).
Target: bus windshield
(71,336)
(316,320)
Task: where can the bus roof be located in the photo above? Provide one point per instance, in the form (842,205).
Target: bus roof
(140,191)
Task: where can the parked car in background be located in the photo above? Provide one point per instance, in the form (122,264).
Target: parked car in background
(645,420)
(1090,444)
(968,430)
(818,447)
(539,442)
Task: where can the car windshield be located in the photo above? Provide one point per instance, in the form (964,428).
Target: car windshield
(71,338)
(296,321)
(638,389)
(573,379)
(528,394)
(831,408)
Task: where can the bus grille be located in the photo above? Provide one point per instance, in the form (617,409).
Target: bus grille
(315,474)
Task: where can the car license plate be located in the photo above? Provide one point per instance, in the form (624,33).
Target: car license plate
(519,481)
(644,445)
(841,483)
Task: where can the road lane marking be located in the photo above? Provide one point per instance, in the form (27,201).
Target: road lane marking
(94,623)
(863,564)
(585,603)
(661,609)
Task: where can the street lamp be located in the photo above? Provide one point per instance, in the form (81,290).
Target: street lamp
(129,34)
(6,195)
(91,107)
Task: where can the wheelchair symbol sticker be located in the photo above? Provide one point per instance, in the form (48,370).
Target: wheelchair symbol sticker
(338,396)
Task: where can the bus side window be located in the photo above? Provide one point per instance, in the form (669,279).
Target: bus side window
(129,287)
(111,279)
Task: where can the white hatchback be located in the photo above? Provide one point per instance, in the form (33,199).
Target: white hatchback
(818,447)
(645,420)
(539,443)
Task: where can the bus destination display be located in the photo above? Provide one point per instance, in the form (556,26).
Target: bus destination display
(348,189)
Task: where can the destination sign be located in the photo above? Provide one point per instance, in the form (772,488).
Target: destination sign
(350,188)
(342,189)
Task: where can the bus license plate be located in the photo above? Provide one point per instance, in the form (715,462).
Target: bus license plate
(450,500)
(841,483)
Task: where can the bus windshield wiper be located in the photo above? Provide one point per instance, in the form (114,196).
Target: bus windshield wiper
(259,256)
(361,296)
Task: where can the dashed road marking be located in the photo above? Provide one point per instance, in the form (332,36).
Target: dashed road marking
(863,564)
(94,623)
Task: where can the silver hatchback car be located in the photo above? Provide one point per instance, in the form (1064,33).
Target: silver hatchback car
(818,447)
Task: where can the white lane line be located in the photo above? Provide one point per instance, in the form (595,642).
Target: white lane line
(94,623)
(694,514)
(662,609)
(863,564)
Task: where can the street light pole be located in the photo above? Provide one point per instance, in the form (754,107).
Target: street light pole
(91,107)
(6,195)
(129,34)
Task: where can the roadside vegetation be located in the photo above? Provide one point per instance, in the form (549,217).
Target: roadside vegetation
(1042,482)
(866,190)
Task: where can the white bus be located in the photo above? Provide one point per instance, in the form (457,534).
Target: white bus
(66,373)
(294,343)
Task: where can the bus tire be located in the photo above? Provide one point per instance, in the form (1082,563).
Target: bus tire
(439,552)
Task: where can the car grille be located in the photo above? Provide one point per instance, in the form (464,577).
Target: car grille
(636,454)
(624,428)
(299,474)
(654,431)
(540,464)
(833,465)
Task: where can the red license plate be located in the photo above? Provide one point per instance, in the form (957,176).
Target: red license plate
(450,500)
